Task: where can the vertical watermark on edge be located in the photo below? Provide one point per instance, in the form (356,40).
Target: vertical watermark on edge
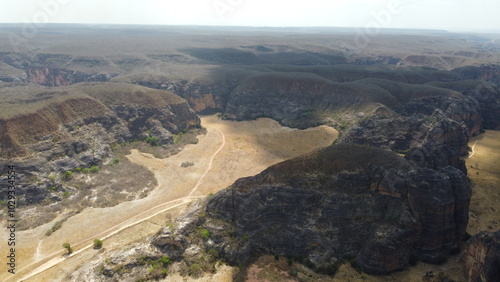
(11,218)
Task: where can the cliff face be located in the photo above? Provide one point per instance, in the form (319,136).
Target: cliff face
(433,141)
(60,77)
(303,100)
(484,93)
(68,130)
(483,87)
(346,201)
(203,97)
(481,260)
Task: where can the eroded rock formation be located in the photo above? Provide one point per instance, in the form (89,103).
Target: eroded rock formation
(481,260)
(340,202)
(76,127)
(60,77)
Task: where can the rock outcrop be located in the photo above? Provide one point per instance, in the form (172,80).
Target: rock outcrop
(346,201)
(203,97)
(303,100)
(60,77)
(76,126)
(481,260)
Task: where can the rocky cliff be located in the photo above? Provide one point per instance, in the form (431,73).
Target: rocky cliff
(306,99)
(485,94)
(481,260)
(203,97)
(50,131)
(60,77)
(346,201)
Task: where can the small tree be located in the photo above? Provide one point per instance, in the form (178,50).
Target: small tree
(153,141)
(67,246)
(97,244)
(94,169)
(68,175)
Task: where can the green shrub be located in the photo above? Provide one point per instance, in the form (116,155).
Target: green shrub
(153,141)
(57,225)
(68,175)
(195,270)
(205,233)
(94,169)
(178,137)
(67,246)
(97,243)
(165,260)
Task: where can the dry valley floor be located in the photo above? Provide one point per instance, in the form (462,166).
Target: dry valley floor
(229,150)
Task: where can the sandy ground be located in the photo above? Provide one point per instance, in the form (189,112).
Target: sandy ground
(484,171)
(229,150)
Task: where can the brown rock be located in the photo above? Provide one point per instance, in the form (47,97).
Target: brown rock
(481,260)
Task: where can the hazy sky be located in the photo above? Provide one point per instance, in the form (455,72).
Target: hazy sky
(433,14)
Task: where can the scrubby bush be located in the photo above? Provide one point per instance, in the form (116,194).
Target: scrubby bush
(153,141)
(187,164)
(67,246)
(97,243)
(68,175)
(205,233)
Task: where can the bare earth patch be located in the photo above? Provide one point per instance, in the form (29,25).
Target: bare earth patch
(484,172)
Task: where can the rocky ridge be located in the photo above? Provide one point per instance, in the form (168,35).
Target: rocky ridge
(481,260)
(346,201)
(77,126)
(413,210)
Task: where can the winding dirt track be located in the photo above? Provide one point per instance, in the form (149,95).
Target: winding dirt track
(210,163)
(229,150)
(473,152)
(55,258)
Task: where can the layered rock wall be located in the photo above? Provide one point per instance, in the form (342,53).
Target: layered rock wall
(345,201)
(481,260)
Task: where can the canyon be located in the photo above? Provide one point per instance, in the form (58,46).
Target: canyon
(391,191)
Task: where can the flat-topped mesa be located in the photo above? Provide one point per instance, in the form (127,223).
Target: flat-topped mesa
(345,201)
(57,130)
(124,111)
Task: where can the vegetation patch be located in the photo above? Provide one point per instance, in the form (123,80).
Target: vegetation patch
(97,243)
(57,225)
